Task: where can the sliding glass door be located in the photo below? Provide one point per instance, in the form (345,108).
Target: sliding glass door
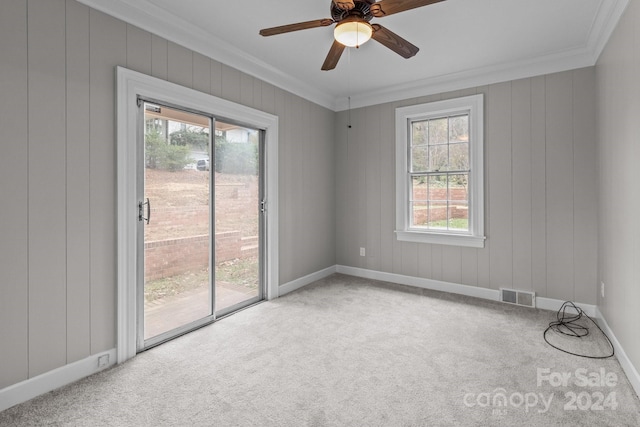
(200,220)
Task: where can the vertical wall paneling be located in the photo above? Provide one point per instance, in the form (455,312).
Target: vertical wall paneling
(78,183)
(538,186)
(436,262)
(424,261)
(304,174)
(216,78)
(342,190)
(372,187)
(361,125)
(469,266)
(386,171)
(498,149)
(286,186)
(521,178)
(246,89)
(311,162)
(312,211)
(47,178)
(325,149)
(585,184)
(107,49)
(410,260)
(559,115)
(257,94)
(201,73)
(230,83)
(351,238)
(179,65)
(298,178)
(139,50)
(268,97)
(159,57)
(14,213)
(451,264)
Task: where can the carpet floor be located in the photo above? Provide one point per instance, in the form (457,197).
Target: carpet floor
(346,351)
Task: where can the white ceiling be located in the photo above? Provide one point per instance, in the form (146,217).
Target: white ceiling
(462,43)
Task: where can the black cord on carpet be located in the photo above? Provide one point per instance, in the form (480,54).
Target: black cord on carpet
(567,325)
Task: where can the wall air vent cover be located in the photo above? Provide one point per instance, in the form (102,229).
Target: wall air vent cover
(513,296)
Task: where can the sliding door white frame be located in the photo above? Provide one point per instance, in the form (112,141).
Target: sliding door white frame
(130,86)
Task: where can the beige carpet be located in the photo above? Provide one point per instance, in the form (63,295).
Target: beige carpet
(352,352)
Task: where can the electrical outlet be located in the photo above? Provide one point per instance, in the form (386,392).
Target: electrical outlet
(362,252)
(602,289)
(103,360)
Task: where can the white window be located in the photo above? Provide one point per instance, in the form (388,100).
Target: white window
(439,173)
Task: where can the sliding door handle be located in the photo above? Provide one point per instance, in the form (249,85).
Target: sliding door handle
(141,216)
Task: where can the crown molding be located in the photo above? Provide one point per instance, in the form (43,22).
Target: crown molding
(157,21)
(548,64)
(151,18)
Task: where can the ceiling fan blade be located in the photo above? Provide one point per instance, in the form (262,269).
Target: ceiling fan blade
(296,27)
(344,4)
(393,41)
(389,7)
(333,57)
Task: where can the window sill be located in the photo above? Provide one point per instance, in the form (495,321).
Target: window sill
(465,240)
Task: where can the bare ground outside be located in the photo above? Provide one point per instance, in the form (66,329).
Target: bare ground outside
(180,208)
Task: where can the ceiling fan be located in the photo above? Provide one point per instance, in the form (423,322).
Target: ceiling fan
(353,29)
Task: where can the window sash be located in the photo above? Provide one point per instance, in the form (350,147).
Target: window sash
(411,226)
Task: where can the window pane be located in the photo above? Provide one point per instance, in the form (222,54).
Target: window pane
(458,185)
(458,212)
(438,215)
(419,132)
(459,157)
(419,188)
(437,188)
(459,216)
(419,214)
(438,131)
(419,159)
(459,129)
(438,158)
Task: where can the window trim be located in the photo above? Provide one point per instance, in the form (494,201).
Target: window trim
(474,105)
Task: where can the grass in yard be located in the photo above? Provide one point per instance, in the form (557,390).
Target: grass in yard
(239,272)
(454,224)
(175,285)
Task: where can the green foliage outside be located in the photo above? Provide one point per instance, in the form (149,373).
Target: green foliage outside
(230,157)
(190,138)
(161,155)
(236,158)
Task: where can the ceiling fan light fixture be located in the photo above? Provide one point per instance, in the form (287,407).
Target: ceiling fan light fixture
(353,33)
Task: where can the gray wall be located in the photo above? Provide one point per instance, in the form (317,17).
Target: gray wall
(540,199)
(618,92)
(58,174)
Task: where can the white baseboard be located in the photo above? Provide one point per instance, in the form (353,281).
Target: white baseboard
(453,288)
(625,362)
(305,280)
(33,387)
(419,282)
(555,304)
